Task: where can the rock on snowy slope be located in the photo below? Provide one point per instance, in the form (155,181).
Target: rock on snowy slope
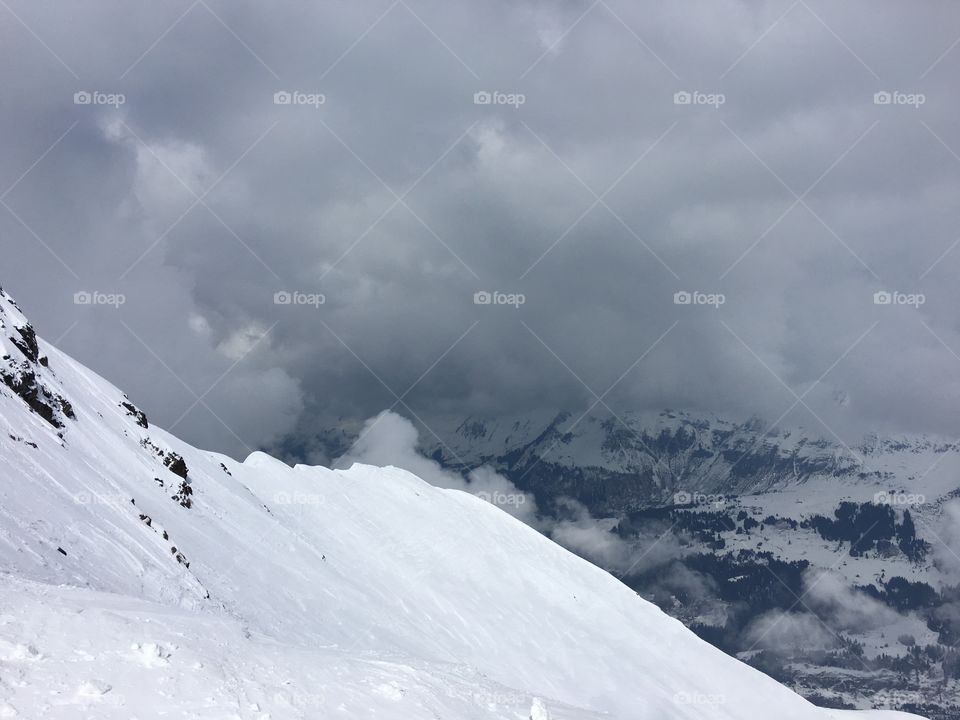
(305,592)
(24,371)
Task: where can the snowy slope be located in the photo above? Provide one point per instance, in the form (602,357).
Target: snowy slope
(96,655)
(142,577)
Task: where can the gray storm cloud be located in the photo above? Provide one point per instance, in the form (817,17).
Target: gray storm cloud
(735,150)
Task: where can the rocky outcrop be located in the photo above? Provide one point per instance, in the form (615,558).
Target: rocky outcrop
(138,415)
(24,372)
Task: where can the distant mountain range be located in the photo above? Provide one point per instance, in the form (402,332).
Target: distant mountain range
(727,524)
(636,460)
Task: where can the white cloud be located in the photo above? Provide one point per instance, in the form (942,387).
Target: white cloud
(391,439)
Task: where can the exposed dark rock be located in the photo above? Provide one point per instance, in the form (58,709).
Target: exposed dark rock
(183,494)
(17,438)
(20,375)
(27,342)
(176,464)
(24,383)
(138,415)
(66,408)
(180,557)
(146,444)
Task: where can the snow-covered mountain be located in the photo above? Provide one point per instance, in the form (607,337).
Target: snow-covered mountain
(629,461)
(142,577)
(729,524)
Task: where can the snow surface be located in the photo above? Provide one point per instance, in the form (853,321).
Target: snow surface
(310,593)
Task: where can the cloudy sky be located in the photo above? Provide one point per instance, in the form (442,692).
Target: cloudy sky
(590,159)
